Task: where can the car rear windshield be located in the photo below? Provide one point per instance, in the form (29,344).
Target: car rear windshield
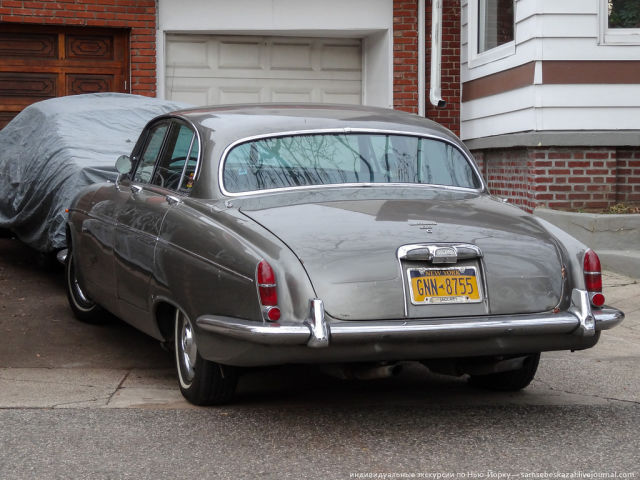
(336,158)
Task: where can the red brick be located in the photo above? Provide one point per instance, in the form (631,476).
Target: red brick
(597,155)
(579,180)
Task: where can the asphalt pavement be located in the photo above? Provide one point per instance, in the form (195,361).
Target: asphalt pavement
(83,401)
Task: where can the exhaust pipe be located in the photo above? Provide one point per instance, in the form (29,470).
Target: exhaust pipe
(362,372)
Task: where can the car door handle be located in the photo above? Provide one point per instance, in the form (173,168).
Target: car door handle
(171,200)
(135,189)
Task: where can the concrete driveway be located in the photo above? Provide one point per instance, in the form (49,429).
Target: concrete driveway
(50,360)
(102,402)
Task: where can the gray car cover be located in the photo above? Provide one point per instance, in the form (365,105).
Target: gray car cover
(55,147)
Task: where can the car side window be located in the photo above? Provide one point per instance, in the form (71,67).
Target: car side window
(150,153)
(178,160)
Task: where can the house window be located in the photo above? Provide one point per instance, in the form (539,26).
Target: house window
(620,22)
(491,26)
(495,23)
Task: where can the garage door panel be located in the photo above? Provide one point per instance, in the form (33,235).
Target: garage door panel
(292,96)
(194,96)
(249,90)
(41,45)
(25,84)
(341,97)
(288,56)
(262,74)
(238,95)
(341,58)
(87,83)
(188,54)
(235,69)
(238,55)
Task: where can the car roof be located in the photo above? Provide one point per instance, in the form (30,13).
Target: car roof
(234,122)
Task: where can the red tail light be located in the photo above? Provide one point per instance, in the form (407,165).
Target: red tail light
(593,278)
(268,291)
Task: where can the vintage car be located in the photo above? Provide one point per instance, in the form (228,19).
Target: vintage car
(250,236)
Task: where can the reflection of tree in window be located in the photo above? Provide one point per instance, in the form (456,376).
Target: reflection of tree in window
(323,159)
(624,13)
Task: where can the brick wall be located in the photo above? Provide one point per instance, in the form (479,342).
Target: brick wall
(405,55)
(137,15)
(405,60)
(563,178)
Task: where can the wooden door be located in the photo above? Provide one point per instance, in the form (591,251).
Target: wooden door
(40,62)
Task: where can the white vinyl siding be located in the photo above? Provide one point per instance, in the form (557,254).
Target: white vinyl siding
(549,30)
(214,69)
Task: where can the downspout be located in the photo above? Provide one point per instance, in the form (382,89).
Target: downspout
(435,93)
(421,57)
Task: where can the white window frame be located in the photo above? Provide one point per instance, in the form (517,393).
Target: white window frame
(493,54)
(615,36)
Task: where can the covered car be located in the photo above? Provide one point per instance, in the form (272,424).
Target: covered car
(55,147)
(261,235)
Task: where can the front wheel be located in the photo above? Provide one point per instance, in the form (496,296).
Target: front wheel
(510,381)
(83,308)
(201,382)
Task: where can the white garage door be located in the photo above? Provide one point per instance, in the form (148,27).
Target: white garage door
(212,70)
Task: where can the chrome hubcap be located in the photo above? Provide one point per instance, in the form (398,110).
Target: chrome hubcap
(188,348)
(82,301)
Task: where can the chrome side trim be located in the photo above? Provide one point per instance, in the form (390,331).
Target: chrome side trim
(318,326)
(264,333)
(425,330)
(320,131)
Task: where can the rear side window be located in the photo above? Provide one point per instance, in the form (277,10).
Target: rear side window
(178,160)
(150,153)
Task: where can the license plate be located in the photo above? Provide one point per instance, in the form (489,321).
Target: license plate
(444,285)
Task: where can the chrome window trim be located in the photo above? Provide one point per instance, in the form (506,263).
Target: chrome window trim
(186,161)
(197,139)
(172,120)
(234,144)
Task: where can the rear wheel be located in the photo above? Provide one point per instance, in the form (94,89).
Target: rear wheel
(202,382)
(510,381)
(84,309)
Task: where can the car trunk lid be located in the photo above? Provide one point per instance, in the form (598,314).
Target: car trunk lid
(349,249)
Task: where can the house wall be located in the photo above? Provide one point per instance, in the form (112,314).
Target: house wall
(553,119)
(567,79)
(563,177)
(137,15)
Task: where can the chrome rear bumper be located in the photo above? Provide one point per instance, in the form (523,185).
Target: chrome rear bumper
(316,332)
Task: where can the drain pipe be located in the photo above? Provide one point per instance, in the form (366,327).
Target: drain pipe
(421,57)
(435,93)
